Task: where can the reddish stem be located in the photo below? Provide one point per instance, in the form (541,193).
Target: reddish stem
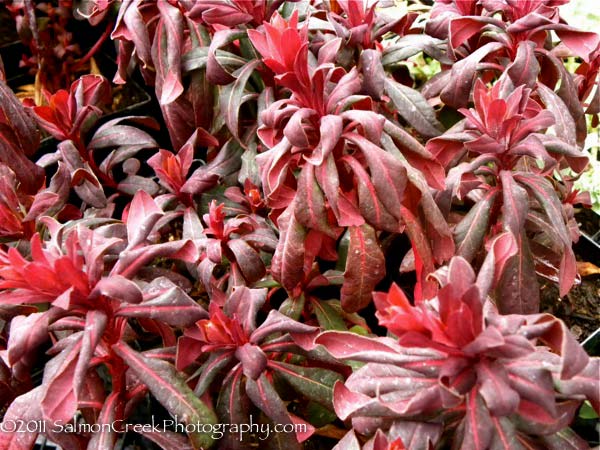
(92,51)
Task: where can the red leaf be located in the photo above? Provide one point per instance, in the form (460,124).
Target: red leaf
(247,259)
(477,426)
(413,107)
(141,217)
(59,400)
(518,289)
(288,261)
(310,208)
(525,67)
(470,232)
(387,173)
(170,305)
(166,53)
(457,92)
(170,390)
(232,96)
(365,267)
(501,399)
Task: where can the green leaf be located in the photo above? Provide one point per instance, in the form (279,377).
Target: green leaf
(329,314)
(314,383)
(293,307)
(318,415)
(587,412)
(170,390)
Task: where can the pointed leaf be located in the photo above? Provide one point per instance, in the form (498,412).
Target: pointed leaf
(413,107)
(170,390)
(365,267)
(232,96)
(314,383)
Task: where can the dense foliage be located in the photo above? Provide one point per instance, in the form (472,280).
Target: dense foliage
(251,270)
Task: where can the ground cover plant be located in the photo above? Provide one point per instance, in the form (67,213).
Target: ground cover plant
(335,223)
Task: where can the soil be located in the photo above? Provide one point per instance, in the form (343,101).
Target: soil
(589,223)
(580,308)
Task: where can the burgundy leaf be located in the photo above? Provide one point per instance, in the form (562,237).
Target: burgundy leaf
(170,390)
(472,229)
(351,346)
(248,260)
(413,107)
(233,405)
(253,360)
(171,306)
(310,208)
(525,67)
(289,255)
(166,53)
(348,442)
(564,122)
(515,204)
(496,390)
(330,131)
(117,287)
(167,439)
(26,407)
(95,324)
(456,92)
(365,267)
(584,383)
(59,399)
(215,73)
(142,216)
(518,290)
(477,425)
(19,120)
(502,248)
(373,73)
(27,333)
(387,173)
(416,434)
(463,28)
(232,96)
(566,439)
(279,323)
(205,177)
(107,437)
(264,396)
(544,193)
(533,419)
(369,203)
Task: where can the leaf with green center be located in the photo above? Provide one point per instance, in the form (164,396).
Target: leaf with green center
(170,390)
(314,383)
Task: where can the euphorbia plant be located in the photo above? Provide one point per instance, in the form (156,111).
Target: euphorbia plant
(221,259)
(508,173)
(463,370)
